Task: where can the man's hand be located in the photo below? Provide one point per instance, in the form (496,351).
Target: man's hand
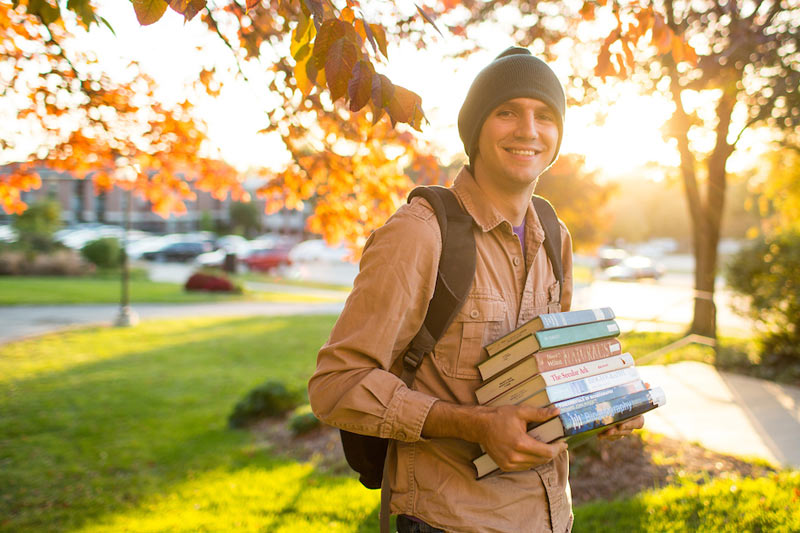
(502,431)
(506,439)
(622,430)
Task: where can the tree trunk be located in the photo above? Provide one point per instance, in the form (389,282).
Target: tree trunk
(708,227)
(705,213)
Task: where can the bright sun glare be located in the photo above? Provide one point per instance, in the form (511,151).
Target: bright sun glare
(629,138)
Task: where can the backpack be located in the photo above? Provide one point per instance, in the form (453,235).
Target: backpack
(366,454)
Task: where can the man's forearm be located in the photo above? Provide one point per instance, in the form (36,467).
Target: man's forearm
(449,420)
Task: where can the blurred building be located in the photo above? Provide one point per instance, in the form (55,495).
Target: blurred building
(80,203)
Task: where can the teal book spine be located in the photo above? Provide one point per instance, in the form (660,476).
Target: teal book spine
(574,318)
(551,338)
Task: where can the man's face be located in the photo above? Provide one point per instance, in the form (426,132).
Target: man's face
(517,142)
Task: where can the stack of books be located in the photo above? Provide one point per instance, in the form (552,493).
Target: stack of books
(572,360)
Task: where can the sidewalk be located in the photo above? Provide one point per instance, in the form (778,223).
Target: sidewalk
(18,322)
(724,412)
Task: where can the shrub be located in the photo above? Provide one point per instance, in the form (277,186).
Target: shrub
(272,398)
(767,275)
(104,253)
(208,282)
(37,224)
(58,263)
(302,420)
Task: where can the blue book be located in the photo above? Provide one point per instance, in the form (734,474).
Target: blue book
(579,425)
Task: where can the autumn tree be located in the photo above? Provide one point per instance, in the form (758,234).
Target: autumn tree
(88,123)
(578,197)
(727,66)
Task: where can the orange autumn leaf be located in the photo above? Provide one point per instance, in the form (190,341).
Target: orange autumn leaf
(149,11)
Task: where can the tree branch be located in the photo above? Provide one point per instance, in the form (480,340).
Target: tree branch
(225,40)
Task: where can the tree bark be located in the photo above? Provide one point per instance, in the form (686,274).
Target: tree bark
(705,213)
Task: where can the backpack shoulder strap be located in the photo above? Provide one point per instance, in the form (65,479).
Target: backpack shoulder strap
(552,237)
(453,277)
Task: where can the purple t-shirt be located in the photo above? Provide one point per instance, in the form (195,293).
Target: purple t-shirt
(520,232)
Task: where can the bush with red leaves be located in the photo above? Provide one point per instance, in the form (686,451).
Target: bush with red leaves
(207,282)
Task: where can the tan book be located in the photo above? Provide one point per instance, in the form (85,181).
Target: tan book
(536,381)
(550,321)
(549,359)
(530,366)
(531,392)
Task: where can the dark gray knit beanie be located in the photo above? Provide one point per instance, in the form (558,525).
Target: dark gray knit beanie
(515,73)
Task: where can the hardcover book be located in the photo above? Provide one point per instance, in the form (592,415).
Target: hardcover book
(550,321)
(579,425)
(528,371)
(549,359)
(546,339)
(532,393)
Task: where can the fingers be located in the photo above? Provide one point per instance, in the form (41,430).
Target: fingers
(537,414)
(624,429)
(529,454)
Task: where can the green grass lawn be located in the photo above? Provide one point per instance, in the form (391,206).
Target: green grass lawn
(24,290)
(109,430)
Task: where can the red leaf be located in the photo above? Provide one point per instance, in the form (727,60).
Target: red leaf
(342,57)
(360,88)
(406,106)
(149,11)
(187,8)
(251,4)
(380,37)
(382,91)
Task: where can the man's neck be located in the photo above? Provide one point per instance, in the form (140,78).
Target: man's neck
(512,203)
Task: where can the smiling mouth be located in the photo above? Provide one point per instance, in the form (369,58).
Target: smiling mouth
(518,151)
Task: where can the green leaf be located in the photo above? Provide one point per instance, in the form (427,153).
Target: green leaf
(46,11)
(149,11)
(84,10)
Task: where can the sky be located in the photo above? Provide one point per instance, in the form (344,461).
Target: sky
(167,50)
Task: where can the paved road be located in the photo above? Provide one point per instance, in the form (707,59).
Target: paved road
(23,321)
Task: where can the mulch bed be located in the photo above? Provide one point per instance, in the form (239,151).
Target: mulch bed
(600,470)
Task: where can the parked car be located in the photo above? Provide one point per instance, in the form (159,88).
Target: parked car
(608,257)
(267,258)
(178,251)
(318,250)
(635,267)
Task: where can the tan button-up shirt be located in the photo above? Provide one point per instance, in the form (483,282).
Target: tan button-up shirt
(355,386)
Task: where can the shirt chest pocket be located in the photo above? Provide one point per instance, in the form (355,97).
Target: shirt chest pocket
(480,320)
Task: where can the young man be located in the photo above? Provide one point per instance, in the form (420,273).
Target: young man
(511,124)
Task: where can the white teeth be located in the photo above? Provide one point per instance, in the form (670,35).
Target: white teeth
(522,152)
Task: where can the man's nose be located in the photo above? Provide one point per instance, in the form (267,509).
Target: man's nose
(526,126)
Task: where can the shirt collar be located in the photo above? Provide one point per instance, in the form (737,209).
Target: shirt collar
(485,214)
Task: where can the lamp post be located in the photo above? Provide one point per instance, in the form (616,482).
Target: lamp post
(126,317)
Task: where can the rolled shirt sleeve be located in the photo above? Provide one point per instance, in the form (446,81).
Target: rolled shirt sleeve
(354,387)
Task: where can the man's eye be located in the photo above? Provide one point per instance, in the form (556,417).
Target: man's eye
(546,117)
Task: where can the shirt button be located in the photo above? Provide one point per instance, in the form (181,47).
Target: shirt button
(474,313)
(516,261)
